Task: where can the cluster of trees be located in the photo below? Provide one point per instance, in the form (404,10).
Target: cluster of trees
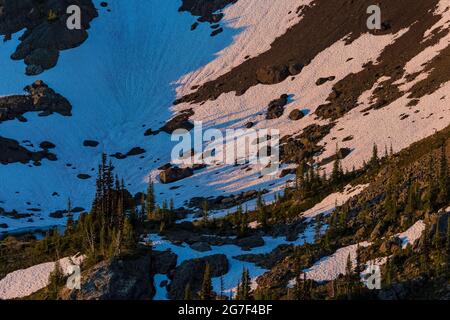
(111,225)
(430,260)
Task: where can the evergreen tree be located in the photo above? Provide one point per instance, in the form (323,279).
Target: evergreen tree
(206,292)
(262,211)
(143,214)
(222,289)
(70,223)
(150,199)
(430,196)
(187,292)
(443,196)
(244,286)
(56,282)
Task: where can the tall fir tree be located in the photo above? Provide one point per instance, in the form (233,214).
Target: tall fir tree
(244,286)
(206,292)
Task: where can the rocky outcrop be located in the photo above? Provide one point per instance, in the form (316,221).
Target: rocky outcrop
(133,152)
(163,261)
(272,74)
(39,98)
(191,272)
(12,152)
(200,246)
(174,174)
(295,149)
(268,260)
(119,279)
(300,45)
(250,242)
(46,32)
(206,9)
(276,107)
(296,115)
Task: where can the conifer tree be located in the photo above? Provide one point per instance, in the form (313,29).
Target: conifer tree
(336,174)
(187,292)
(443,196)
(222,289)
(300,176)
(56,281)
(374,160)
(262,211)
(143,213)
(205,213)
(70,223)
(206,292)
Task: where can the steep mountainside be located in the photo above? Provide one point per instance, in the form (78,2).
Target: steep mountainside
(363,117)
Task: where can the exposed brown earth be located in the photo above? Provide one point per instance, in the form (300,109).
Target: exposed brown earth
(323,24)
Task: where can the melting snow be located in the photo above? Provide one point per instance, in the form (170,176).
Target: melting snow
(22,283)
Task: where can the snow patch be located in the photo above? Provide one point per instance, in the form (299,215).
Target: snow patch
(24,282)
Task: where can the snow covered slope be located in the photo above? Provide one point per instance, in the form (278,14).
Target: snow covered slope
(141,56)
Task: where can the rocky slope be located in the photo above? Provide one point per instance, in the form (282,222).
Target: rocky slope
(137,71)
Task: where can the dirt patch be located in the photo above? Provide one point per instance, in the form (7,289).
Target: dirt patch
(323,24)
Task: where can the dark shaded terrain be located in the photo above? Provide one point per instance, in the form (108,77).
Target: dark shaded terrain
(46,32)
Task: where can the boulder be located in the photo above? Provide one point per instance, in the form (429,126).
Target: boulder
(135,151)
(46,145)
(90,143)
(43,58)
(295,68)
(296,114)
(250,242)
(119,279)
(272,74)
(200,246)
(163,261)
(276,107)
